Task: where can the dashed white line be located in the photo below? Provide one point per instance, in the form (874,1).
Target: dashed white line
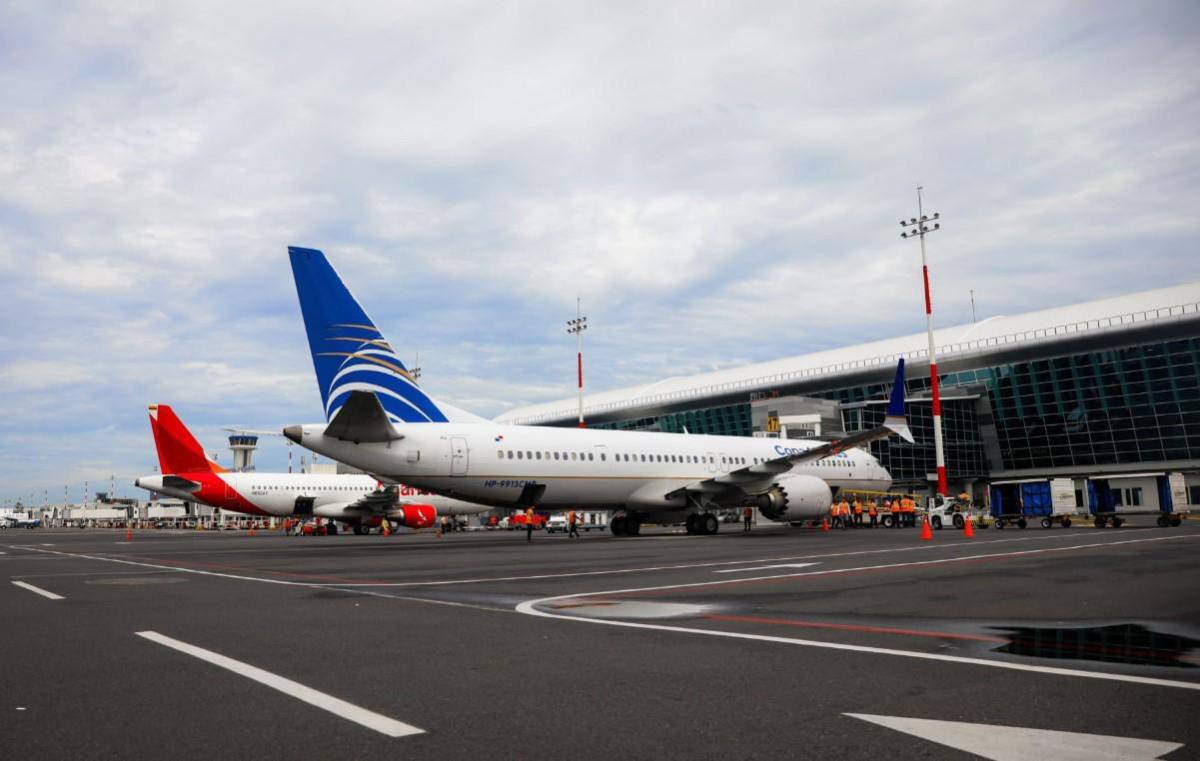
(38,591)
(370,719)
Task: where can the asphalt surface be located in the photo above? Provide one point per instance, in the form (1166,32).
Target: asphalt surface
(658,646)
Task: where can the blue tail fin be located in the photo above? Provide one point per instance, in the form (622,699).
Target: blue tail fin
(349,353)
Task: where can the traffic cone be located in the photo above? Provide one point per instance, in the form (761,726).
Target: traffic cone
(926,532)
(824,525)
(129,535)
(969,528)
(387,529)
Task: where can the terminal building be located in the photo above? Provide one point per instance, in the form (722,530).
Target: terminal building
(1106,393)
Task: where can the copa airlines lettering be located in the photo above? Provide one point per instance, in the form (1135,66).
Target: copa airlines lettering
(783,451)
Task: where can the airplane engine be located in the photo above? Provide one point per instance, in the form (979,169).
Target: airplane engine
(795,498)
(415,515)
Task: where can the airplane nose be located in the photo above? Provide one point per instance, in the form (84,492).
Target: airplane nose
(293,433)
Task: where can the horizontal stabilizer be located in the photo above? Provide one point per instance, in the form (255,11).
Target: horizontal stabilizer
(362,419)
(180,483)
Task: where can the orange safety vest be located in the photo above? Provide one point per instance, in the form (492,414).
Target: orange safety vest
(748,513)
(857,507)
(871,509)
(529,515)
(571,517)
(907,505)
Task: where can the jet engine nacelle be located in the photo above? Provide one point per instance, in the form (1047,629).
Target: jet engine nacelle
(414,515)
(795,498)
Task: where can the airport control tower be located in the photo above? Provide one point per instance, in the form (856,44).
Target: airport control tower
(243,446)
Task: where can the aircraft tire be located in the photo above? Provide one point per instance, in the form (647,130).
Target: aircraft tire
(617,526)
(709,524)
(690,523)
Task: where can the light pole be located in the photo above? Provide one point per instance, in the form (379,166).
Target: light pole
(577,326)
(918,227)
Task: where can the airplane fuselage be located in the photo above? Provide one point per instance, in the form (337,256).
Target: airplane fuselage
(495,464)
(276,494)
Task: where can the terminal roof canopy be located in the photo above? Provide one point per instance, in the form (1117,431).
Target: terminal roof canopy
(1116,313)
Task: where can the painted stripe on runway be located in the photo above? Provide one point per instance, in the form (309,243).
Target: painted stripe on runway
(337,706)
(765,567)
(530,607)
(38,591)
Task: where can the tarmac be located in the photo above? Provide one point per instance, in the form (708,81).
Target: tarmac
(781,643)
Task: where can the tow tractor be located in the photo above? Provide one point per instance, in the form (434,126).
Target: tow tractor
(946,511)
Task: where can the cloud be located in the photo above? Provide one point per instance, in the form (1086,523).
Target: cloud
(718,182)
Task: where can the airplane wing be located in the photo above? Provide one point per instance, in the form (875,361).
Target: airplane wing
(362,418)
(756,479)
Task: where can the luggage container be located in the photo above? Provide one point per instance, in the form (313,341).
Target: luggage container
(1105,510)
(1047,500)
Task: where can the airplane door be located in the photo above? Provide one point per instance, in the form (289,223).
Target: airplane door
(458,456)
(710,462)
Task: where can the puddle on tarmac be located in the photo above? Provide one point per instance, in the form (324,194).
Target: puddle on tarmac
(1117,643)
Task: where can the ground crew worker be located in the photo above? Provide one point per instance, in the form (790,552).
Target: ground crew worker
(574,532)
(747,516)
(857,512)
(529,524)
(844,509)
(833,515)
(907,506)
(872,512)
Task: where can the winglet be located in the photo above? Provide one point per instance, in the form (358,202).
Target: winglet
(895,419)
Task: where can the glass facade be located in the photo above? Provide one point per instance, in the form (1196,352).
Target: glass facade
(913,463)
(1131,405)
(1121,406)
(725,420)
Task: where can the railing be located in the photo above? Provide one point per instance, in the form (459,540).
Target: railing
(958,349)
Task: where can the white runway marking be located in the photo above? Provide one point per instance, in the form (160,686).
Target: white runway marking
(1002,743)
(337,706)
(765,567)
(529,607)
(38,590)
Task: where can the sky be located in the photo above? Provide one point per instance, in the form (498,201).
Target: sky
(719,183)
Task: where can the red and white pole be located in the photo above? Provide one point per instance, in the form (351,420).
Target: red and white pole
(577,326)
(579,368)
(920,229)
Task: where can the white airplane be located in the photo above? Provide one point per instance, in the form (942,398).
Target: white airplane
(359,501)
(19,520)
(380,421)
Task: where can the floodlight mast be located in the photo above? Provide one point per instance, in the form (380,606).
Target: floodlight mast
(577,326)
(918,228)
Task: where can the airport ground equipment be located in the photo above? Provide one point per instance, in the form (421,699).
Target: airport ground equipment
(1048,501)
(1102,504)
(947,511)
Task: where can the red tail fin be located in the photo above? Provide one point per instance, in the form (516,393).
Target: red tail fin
(178,450)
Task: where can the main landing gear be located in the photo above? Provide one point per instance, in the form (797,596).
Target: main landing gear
(626,524)
(702,523)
